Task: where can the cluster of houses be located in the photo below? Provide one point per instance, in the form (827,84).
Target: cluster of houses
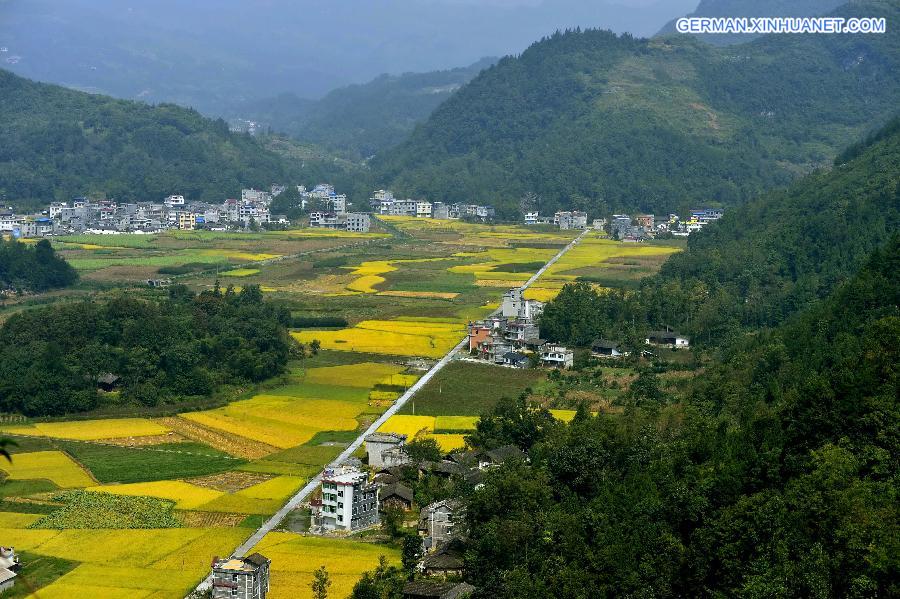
(647,226)
(564,219)
(383,202)
(81,215)
(331,210)
(512,336)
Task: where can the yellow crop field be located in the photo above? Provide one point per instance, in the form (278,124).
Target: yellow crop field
(185,495)
(448,442)
(124,548)
(240,272)
(90,430)
(408,425)
(52,465)
(15,520)
(363,375)
(238,255)
(563,415)
(265,498)
(420,294)
(400,380)
(197,553)
(96,580)
(280,421)
(541,294)
(594,251)
(315,232)
(455,423)
(295,557)
(392,337)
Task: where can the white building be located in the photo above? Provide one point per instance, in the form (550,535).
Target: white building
(531,218)
(174,201)
(423,209)
(349,500)
(557,356)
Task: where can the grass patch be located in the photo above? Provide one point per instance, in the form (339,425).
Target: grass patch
(84,509)
(529,267)
(333,437)
(36,572)
(135,464)
(20,488)
(464,388)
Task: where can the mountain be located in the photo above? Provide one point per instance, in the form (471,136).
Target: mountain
(758,8)
(360,120)
(56,143)
(592,120)
(215,55)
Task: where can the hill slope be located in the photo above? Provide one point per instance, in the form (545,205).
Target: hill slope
(588,119)
(758,8)
(56,143)
(360,120)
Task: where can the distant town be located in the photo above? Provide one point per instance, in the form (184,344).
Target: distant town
(326,209)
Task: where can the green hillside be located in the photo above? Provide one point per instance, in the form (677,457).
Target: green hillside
(588,119)
(760,264)
(360,120)
(57,143)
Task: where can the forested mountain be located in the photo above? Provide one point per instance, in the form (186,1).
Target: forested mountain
(591,120)
(57,143)
(761,263)
(360,120)
(757,8)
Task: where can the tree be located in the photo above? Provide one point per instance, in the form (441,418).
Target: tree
(321,583)
(412,552)
(423,450)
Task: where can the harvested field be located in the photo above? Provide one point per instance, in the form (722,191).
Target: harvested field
(229,482)
(229,443)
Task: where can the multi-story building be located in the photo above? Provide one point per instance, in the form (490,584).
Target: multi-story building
(557,356)
(377,444)
(646,221)
(571,220)
(440,210)
(514,305)
(423,209)
(256,195)
(174,201)
(358,222)
(186,220)
(531,218)
(438,522)
(241,578)
(349,501)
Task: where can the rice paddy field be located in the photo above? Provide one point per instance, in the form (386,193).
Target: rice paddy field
(219,472)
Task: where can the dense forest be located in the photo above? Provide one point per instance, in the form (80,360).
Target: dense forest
(361,120)
(586,119)
(760,264)
(57,143)
(54,360)
(33,268)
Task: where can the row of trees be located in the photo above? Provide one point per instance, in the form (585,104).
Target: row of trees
(53,359)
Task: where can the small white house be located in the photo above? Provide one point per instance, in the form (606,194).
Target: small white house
(667,339)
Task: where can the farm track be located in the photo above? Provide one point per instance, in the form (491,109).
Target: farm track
(295,501)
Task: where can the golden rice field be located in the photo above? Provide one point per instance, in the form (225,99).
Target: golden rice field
(54,466)
(449,441)
(292,416)
(408,425)
(185,495)
(391,337)
(455,423)
(240,272)
(90,430)
(295,557)
(127,563)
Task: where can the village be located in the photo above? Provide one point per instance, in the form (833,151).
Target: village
(325,208)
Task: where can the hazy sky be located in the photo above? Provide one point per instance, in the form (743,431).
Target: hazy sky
(211,52)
